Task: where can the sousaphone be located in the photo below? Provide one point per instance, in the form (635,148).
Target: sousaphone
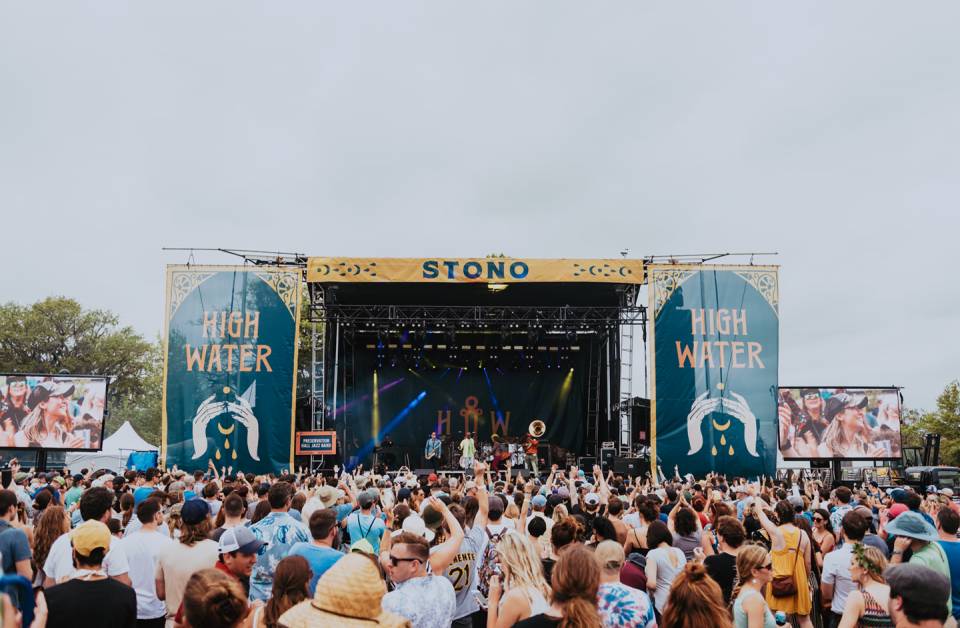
(537,428)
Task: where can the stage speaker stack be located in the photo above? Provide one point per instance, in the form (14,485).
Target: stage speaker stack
(632,467)
(586,464)
(607,454)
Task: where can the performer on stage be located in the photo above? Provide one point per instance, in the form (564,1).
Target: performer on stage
(467,451)
(530,461)
(431,452)
(501,452)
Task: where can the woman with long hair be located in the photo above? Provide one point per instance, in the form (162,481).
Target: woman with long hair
(664,564)
(823,535)
(574,586)
(755,571)
(647,512)
(290,587)
(695,601)
(52,524)
(790,551)
(525,589)
(213,599)
(867,604)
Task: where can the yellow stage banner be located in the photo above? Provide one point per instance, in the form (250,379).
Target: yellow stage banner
(473,270)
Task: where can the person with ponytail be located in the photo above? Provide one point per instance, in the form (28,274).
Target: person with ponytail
(290,587)
(696,600)
(575,583)
(755,571)
(212,599)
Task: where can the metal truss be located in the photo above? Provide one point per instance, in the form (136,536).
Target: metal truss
(564,317)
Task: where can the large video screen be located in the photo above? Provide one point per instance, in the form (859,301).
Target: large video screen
(52,411)
(852,423)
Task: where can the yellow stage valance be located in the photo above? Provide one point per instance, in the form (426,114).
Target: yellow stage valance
(472,270)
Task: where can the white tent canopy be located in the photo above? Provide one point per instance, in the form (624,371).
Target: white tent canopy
(116,448)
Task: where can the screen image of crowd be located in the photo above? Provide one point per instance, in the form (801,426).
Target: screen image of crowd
(51,412)
(573,547)
(839,423)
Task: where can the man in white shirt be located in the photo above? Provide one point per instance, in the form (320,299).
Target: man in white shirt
(96,504)
(836,583)
(142,549)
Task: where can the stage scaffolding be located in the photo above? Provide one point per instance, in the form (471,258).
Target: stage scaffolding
(339,329)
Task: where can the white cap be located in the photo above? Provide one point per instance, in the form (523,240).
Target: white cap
(592,498)
(415,525)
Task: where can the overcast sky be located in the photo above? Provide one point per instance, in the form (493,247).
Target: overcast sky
(826,131)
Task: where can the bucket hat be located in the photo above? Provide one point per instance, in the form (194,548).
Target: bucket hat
(912,525)
(348,594)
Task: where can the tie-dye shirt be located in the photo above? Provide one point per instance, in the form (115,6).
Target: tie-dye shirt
(280,531)
(624,607)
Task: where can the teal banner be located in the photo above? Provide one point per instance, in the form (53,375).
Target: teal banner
(715,357)
(229,367)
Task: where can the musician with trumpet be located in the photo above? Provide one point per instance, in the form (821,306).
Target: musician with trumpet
(530,443)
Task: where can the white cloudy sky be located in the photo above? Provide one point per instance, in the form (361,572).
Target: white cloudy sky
(825,131)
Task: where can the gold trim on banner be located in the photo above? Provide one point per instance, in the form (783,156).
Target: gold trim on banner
(183,282)
(766,282)
(286,284)
(473,270)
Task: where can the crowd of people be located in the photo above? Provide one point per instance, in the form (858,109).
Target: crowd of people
(576,548)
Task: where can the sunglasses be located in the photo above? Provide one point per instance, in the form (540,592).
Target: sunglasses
(818,518)
(767,567)
(394,560)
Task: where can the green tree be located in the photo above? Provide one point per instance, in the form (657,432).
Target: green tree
(945,420)
(58,334)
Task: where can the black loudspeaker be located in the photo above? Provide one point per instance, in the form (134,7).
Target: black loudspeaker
(543,453)
(586,463)
(422,473)
(640,421)
(607,455)
(632,467)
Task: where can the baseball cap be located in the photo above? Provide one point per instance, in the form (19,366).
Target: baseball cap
(432,478)
(796,501)
(415,524)
(931,490)
(947,491)
(539,501)
(239,539)
(90,535)
(897,509)
(194,511)
(44,390)
(592,499)
(915,580)
(403,494)
(366,498)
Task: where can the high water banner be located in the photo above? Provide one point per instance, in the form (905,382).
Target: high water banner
(714,361)
(229,367)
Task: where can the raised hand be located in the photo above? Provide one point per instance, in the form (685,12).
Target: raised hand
(739,409)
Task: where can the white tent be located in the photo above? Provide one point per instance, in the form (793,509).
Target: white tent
(116,448)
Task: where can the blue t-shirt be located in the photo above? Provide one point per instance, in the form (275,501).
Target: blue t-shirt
(320,559)
(361,526)
(952,550)
(142,493)
(343,510)
(14,547)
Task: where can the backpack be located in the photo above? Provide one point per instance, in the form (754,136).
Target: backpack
(489,565)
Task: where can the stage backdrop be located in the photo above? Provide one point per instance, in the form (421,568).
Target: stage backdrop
(714,361)
(229,367)
(408,405)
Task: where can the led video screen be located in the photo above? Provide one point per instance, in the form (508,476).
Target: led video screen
(52,411)
(851,423)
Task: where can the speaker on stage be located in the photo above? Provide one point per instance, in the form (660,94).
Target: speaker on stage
(607,455)
(543,453)
(633,467)
(586,463)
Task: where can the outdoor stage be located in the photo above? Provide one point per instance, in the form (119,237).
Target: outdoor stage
(402,348)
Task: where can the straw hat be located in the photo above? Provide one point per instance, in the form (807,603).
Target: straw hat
(348,594)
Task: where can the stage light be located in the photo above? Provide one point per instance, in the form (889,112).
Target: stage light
(376,407)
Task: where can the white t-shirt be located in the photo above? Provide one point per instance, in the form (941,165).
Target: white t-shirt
(545,518)
(134,525)
(836,571)
(462,572)
(177,562)
(142,550)
(497,528)
(59,565)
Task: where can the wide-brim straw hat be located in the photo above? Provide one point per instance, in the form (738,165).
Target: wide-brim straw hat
(348,594)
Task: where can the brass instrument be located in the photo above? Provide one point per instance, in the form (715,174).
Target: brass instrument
(537,428)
